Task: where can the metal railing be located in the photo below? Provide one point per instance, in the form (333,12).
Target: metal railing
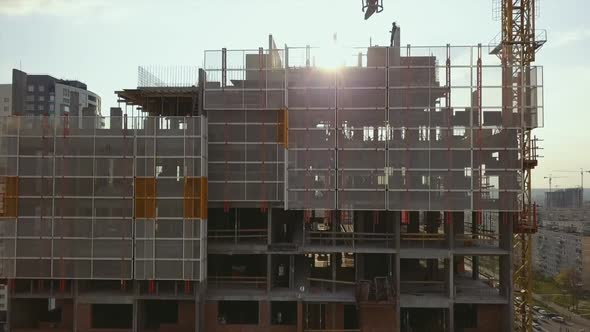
(477,240)
(351,239)
(319,284)
(423,286)
(238,281)
(238,235)
(423,240)
(484,289)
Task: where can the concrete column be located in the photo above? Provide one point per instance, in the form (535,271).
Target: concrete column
(449,229)
(300,316)
(264,314)
(291,271)
(474,259)
(396,257)
(198,316)
(397,228)
(302,225)
(451,276)
(458,229)
(359,266)
(505,230)
(451,318)
(74,306)
(269,226)
(431,227)
(134,325)
(269,272)
(414,225)
(506,268)
(333,263)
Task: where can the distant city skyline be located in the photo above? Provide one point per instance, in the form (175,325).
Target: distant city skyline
(98,42)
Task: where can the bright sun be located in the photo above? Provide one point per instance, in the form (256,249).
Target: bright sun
(331,57)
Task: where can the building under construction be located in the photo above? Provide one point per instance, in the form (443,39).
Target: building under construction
(265,192)
(572,198)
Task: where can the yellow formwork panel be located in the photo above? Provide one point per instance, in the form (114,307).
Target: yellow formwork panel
(195,198)
(145,197)
(9,196)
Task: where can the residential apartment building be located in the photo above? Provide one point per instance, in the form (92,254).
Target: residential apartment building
(572,198)
(47,95)
(563,242)
(5,99)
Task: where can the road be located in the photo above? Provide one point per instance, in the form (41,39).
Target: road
(551,326)
(578,323)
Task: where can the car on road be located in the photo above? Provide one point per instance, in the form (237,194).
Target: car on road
(536,308)
(543,312)
(558,319)
(540,318)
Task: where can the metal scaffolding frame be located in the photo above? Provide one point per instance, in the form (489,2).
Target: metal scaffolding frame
(419,149)
(78,214)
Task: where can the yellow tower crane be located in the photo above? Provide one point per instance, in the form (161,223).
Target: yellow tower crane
(517,48)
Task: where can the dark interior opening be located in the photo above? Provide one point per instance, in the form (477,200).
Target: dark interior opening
(112,316)
(220,219)
(283,225)
(283,313)
(374,222)
(28,313)
(423,269)
(280,271)
(315,316)
(376,265)
(237,265)
(247,224)
(238,312)
(350,317)
(465,316)
(160,312)
(100,285)
(420,319)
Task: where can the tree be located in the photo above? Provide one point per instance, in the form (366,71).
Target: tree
(570,282)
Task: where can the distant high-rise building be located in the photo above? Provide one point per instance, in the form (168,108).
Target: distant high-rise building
(565,198)
(47,95)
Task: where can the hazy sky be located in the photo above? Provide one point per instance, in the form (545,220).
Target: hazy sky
(101,42)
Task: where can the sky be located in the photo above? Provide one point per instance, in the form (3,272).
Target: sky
(102,42)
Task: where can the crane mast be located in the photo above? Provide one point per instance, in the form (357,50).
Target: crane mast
(517,51)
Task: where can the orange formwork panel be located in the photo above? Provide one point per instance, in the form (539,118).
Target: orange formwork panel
(145,197)
(195,198)
(8,196)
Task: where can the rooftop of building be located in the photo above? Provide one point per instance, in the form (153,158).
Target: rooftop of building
(49,78)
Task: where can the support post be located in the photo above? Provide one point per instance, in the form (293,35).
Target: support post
(135,327)
(223,67)
(451,317)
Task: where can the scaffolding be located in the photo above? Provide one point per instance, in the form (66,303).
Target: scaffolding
(124,200)
(386,128)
